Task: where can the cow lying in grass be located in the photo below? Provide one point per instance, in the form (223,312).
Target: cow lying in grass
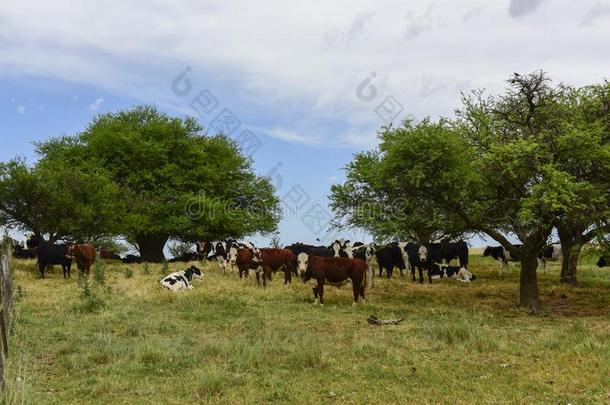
(336,271)
(460,273)
(181,280)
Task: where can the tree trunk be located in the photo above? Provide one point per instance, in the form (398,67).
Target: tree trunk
(151,247)
(569,264)
(528,283)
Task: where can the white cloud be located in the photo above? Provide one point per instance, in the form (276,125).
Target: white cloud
(21,109)
(96,104)
(75,98)
(299,65)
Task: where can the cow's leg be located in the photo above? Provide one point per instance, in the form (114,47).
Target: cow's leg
(258,277)
(369,275)
(321,290)
(413,272)
(88,269)
(41,267)
(430,275)
(315,295)
(389,270)
(421,274)
(356,287)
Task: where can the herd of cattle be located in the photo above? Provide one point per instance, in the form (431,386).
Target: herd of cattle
(337,264)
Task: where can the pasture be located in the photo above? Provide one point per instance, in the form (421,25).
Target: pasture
(230,341)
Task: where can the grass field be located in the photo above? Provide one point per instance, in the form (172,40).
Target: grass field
(229,341)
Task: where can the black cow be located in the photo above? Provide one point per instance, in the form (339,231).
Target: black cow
(131,259)
(49,254)
(603,261)
(19,252)
(447,251)
(185,257)
(389,257)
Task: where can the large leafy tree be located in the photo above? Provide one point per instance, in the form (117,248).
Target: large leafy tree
(57,201)
(583,146)
(174,182)
(495,170)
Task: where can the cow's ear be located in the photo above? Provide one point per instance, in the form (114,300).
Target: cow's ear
(347,241)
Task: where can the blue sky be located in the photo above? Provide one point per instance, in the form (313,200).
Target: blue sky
(313,81)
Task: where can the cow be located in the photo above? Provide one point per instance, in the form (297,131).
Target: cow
(20,252)
(447,251)
(247,259)
(366,253)
(418,258)
(335,271)
(603,261)
(204,249)
(84,256)
(301,250)
(500,254)
(185,258)
(551,253)
(181,280)
(272,260)
(341,248)
(131,259)
(460,273)
(388,257)
(108,255)
(49,254)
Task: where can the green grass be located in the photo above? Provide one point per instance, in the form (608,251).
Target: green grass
(229,341)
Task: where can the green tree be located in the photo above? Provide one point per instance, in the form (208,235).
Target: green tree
(494,170)
(174,182)
(583,145)
(56,200)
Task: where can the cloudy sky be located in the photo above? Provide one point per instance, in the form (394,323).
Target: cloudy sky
(311,81)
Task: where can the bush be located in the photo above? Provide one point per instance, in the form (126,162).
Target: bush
(99,272)
(92,300)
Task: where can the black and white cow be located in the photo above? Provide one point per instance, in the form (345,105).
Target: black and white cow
(418,258)
(500,254)
(342,248)
(603,261)
(367,253)
(551,253)
(459,273)
(181,280)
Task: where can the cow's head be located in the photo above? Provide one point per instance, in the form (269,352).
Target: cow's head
(256,256)
(487,251)
(422,253)
(601,262)
(232,256)
(340,246)
(302,263)
(193,272)
(70,251)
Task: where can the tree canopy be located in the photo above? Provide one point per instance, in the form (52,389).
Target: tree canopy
(165,180)
(506,165)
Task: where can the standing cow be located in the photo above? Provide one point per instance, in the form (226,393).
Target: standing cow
(502,255)
(550,253)
(335,271)
(49,254)
(272,260)
(84,256)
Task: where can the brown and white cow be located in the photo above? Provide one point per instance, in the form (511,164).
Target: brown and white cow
(84,256)
(247,259)
(272,260)
(336,271)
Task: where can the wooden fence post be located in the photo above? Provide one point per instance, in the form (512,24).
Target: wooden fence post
(6,304)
